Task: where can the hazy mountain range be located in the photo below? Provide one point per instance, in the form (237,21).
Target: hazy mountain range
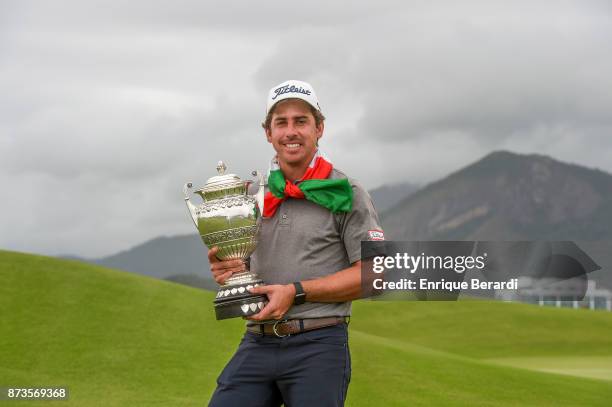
(507,196)
(387,196)
(183,258)
(503,196)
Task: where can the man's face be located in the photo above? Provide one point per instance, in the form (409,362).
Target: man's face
(293,132)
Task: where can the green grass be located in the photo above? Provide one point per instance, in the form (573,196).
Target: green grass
(115,338)
(597,367)
(439,353)
(118,339)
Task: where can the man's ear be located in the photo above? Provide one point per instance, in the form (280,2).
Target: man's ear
(268,135)
(320,129)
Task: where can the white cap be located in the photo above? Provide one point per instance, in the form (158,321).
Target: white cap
(292,89)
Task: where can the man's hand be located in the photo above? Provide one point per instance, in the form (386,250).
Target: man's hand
(222,270)
(280,299)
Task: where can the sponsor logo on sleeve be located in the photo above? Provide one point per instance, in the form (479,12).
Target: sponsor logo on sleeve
(376,235)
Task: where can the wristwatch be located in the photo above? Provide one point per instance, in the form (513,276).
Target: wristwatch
(300,295)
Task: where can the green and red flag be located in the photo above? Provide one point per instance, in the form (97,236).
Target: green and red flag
(333,194)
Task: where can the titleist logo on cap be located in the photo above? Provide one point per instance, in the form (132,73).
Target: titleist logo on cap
(289,89)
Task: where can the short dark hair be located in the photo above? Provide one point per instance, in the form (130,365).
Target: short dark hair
(318,116)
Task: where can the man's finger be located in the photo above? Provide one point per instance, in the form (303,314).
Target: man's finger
(233,264)
(261,289)
(212,255)
(217,270)
(222,272)
(220,279)
(265,313)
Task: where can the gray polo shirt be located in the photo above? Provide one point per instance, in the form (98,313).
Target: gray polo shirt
(304,241)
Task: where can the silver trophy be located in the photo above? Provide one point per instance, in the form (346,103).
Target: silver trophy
(228,219)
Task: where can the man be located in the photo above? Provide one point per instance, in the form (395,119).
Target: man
(295,351)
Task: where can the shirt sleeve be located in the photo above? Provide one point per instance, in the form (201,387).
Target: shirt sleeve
(360,224)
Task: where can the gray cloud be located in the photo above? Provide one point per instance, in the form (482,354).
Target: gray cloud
(487,74)
(106,108)
(187,16)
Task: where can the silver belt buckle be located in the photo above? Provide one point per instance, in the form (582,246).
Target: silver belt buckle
(275,331)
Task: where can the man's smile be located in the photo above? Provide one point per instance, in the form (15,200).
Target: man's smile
(292,146)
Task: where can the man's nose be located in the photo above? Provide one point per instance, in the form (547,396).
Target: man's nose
(292,128)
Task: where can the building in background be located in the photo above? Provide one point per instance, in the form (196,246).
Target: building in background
(559,293)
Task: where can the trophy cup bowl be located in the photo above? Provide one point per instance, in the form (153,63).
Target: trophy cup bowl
(228,219)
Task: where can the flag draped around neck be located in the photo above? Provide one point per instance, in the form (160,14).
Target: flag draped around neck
(333,194)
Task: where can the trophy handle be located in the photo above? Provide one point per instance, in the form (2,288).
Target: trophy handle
(191,207)
(260,192)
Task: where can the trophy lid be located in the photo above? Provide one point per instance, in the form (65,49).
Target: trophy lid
(221,182)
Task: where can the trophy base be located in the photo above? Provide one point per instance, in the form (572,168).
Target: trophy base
(240,308)
(236,301)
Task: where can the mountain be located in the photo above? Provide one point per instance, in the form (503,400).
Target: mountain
(163,257)
(503,196)
(507,196)
(387,196)
(193,280)
(183,259)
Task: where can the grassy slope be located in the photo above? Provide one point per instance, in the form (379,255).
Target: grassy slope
(437,353)
(118,339)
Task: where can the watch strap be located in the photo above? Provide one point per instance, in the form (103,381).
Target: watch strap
(300,295)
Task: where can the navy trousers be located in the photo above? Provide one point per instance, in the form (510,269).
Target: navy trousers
(308,369)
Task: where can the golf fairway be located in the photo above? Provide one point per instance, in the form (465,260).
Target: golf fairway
(119,339)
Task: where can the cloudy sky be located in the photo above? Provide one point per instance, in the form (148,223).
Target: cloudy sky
(108,107)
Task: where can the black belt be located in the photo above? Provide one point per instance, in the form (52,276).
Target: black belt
(288,327)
